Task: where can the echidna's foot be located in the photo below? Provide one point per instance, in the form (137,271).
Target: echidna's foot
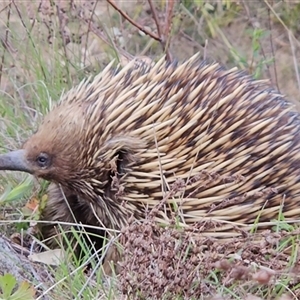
(65,210)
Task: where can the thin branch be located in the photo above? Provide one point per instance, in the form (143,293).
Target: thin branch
(162,37)
(100,34)
(170,7)
(153,10)
(140,27)
(281,22)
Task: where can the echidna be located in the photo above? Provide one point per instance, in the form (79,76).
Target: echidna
(120,142)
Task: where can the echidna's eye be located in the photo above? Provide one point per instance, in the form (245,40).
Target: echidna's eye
(43,160)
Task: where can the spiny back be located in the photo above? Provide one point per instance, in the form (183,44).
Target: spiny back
(123,139)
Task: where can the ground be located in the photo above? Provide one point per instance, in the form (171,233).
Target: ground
(49,46)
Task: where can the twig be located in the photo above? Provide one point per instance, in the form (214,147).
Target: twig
(100,34)
(162,37)
(4,8)
(191,40)
(140,27)
(281,22)
(153,10)
(170,7)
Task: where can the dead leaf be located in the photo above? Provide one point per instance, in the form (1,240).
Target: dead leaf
(50,257)
(32,203)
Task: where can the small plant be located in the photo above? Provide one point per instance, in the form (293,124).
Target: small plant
(10,290)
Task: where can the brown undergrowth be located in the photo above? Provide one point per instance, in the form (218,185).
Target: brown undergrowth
(165,263)
(172,261)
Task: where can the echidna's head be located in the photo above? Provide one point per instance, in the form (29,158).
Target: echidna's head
(71,149)
(50,152)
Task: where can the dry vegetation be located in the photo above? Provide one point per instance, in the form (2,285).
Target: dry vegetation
(48,46)
(164,261)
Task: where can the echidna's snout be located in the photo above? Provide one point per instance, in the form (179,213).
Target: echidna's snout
(15,161)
